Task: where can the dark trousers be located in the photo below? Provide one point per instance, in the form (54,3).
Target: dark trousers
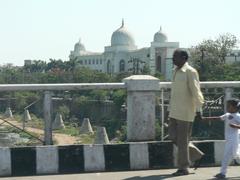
(180,133)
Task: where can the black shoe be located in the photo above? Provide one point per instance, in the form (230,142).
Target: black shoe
(236,162)
(220,176)
(180,173)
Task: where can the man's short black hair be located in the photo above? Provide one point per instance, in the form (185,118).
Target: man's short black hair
(183,53)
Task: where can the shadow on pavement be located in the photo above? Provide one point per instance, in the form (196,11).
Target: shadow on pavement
(229,178)
(155,177)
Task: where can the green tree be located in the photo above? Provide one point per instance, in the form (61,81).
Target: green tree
(119,97)
(53,64)
(98,94)
(120,76)
(64,111)
(36,66)
(209,56)
(159,75)
(146,69)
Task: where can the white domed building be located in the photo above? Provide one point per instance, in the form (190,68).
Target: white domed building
(122,40)
(123,54)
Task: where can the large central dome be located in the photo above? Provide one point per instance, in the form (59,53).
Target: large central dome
(122,37)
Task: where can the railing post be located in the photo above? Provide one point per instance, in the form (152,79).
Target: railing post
(47,109)
(163,114)
(228,95)
(141,107)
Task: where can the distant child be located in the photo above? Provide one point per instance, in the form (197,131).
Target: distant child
(232,124)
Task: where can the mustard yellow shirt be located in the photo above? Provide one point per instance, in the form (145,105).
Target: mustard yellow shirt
(186,95)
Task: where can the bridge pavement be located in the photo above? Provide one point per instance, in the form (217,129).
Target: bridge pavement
(200,174)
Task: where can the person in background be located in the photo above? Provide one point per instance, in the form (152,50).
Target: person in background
(185,104)
(232,124)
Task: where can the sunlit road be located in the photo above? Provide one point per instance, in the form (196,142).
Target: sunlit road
(200,174)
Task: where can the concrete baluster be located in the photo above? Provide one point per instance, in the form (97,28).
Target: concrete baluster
(47,108)
(141,107)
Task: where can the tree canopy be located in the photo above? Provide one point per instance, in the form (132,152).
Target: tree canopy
(209,58)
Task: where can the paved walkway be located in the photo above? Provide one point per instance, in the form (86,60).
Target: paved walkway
(200,174)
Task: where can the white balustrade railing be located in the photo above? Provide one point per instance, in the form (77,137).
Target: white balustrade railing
(227,85)
(208,84)
(60,87)
(91,86)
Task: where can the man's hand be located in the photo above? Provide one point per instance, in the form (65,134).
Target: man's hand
(198,116)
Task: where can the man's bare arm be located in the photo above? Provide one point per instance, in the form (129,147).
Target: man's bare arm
(237,126)
(214,118)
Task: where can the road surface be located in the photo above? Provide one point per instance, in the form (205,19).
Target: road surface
(200,174)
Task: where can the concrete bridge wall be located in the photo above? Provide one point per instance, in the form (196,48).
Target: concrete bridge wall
(24,161)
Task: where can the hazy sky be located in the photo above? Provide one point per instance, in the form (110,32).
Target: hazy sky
(43,29)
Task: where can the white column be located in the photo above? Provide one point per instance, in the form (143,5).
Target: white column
(139,156)
(5,162)
(47,159)
(141,107)
(94,158)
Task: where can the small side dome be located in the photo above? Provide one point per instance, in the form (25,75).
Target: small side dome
(79,46)
(122,37)
(160,36)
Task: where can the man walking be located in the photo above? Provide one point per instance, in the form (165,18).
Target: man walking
(185,103)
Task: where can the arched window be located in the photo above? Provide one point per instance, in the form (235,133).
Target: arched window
(122,66)
(109,67)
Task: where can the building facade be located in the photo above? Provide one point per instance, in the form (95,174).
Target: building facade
(124,56)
